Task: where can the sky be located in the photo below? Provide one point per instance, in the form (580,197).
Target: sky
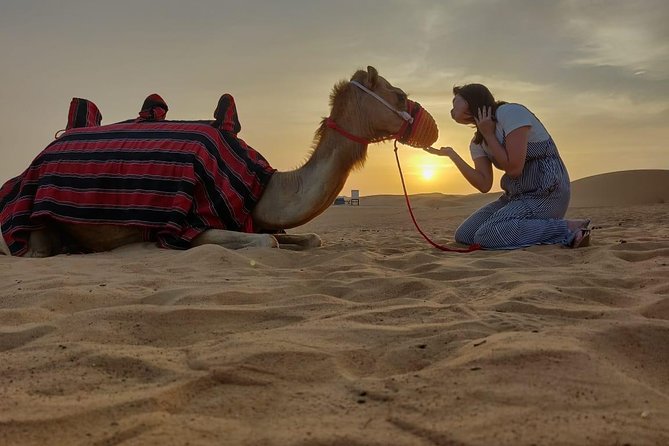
(595,72)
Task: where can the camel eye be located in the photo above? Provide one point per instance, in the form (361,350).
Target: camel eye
(402,97)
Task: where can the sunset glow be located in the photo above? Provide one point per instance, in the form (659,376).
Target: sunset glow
(598,79)
(428,172)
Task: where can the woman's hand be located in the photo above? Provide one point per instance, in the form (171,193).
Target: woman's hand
(484,122)
(442,151)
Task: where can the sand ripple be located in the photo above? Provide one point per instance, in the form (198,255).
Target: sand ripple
(374,339)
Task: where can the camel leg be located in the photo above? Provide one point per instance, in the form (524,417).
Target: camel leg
(235,240)
(43,243)
(4,249)
(298,242)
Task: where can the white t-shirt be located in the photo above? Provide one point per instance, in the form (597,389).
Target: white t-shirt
(509,118)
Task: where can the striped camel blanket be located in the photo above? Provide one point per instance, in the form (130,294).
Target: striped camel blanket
(174,179)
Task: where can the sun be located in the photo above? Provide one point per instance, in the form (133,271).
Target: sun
(428,172)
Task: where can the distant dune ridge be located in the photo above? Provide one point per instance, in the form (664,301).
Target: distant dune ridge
(632,187)
(374,339)
(628,188)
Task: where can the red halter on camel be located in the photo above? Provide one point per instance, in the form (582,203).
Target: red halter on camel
(419,130)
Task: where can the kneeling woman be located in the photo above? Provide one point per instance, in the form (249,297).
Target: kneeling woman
(535,182)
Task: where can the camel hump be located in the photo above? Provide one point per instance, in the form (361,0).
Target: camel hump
(226,115)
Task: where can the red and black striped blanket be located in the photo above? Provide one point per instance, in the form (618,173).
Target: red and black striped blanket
(175,179)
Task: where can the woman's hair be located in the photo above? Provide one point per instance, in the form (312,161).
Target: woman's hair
(478,96)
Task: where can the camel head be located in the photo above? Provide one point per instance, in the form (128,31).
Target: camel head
(383,121)
(373,120)
(363,110)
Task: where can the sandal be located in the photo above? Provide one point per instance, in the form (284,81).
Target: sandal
(581,235)
(581,239)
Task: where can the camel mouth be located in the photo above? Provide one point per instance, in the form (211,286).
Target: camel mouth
(422,132)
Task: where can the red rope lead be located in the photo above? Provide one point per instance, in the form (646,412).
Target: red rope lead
(470,248)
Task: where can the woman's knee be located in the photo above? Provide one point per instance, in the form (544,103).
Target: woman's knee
(500,235)
(465,234)
(487,240)
(489,236)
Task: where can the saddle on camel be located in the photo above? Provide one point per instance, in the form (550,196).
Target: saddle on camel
(187,183)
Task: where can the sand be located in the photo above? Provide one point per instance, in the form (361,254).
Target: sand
(374,339)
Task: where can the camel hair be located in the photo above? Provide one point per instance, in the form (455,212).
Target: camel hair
(290,198)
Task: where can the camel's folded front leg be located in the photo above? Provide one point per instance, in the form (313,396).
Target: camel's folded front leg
(298,242)
(235,240)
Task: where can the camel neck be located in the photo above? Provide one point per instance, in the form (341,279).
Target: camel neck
(293,198)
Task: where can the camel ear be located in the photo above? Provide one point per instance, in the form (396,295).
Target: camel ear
(372,76)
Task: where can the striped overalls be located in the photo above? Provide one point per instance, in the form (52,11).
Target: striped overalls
(532,209)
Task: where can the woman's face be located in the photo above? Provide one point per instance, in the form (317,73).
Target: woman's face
(460,111)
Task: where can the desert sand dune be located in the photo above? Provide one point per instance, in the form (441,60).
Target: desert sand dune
(374,339)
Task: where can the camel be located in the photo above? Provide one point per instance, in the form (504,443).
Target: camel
(373,112)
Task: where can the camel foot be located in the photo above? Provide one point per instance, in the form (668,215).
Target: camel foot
(235,240)
(268,241)
(298,242)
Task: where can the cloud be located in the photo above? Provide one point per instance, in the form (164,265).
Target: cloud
(558,48)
